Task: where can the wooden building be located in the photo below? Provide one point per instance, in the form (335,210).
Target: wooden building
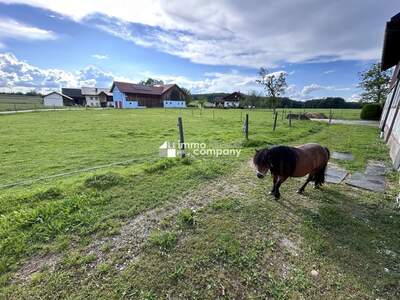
(75,94)
(229,101)
(130,95)
(390,120)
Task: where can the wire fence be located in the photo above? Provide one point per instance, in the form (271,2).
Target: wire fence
(69,173)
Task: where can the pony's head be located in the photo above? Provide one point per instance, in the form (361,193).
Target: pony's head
(261,163)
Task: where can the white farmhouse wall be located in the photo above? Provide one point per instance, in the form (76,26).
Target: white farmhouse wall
(231,103)
(53,100)
(93,101)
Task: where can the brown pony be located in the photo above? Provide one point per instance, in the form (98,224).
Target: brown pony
(284,162)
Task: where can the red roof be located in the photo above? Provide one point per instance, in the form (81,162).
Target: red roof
(132,88)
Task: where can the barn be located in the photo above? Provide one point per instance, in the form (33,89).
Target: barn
(390,120)
(57,99)
(75,94)
(130,95)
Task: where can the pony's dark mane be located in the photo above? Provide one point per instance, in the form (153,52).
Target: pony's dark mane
(280,159)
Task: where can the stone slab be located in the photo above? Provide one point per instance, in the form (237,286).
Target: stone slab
(376,168)
(335,175)
(376,183)
(342,155)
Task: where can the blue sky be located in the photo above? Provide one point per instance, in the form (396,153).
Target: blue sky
(206,46)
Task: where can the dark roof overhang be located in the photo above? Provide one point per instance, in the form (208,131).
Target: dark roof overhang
(391,43)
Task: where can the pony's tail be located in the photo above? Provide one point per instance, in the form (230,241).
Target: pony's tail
(319,177)
(327,151)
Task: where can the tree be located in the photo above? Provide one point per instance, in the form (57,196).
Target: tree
(188,95)
(375,84)
(274,84)
(151,82)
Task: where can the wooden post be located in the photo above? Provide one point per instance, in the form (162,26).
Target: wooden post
(290,118)
(15,107)
(330,116)
(246,127)
(283,113)
(181,138)
(276,116)
(213,114)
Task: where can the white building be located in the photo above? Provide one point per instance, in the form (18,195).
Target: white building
(97,97)
(56,99)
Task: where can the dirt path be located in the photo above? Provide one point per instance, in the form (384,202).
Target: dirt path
(349,122)
(133,235)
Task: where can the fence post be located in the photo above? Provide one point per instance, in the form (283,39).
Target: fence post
(330,116)
(276,116)
(213,113)
(246,127)
(290,118)
(15,107)
(181,138)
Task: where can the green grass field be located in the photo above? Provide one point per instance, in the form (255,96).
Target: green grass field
(199,227)
(20,102)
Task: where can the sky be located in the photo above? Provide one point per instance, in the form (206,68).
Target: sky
(205,46)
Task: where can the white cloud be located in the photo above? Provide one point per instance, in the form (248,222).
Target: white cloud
(212,83)
(306,92)
(329,71)
(12,29)
(240,33)
(17,75)
(308,89)
(100,56)
(354,97)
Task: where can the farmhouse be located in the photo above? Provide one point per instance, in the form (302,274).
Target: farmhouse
(57,99)
(231,100)
(390,120)
(129,95)
(97,97)
(90,96)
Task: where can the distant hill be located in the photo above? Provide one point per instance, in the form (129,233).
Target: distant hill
(264,102)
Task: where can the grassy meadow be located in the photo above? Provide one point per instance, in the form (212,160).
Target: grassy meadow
(20,102)
(197,227)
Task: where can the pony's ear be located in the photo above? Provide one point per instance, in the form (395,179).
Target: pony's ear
(257,150)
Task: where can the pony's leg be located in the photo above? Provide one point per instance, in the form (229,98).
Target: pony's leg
(281,180)
(309,178)
(274,179)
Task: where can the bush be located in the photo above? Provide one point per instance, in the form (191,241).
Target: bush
(371,112)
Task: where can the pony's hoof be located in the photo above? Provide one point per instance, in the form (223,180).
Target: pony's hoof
(300,192)
(271,193)
(277,197)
